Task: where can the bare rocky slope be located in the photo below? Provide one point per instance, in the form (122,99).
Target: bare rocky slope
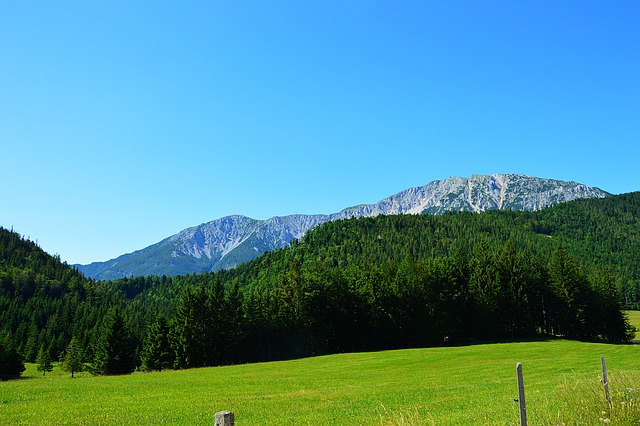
(231,240)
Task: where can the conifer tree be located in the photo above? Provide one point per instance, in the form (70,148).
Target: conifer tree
(30,347)
(72,360)
(235,323)
(115,349)
(158,354)
(11,365)
(570,287)
(189,331)
(613,325)
(43,361)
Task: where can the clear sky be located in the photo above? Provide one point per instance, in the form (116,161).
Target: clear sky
(124,122)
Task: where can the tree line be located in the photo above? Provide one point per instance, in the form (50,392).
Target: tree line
(317,308)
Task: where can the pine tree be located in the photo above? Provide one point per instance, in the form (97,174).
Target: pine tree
(43,361)
(115,349)
(72,360)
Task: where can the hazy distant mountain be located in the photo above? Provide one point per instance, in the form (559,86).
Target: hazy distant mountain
(229,241)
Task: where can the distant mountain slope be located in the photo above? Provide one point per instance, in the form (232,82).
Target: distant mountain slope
(229,241)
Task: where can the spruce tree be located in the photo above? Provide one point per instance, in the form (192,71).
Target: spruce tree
(43,361)
(115,349)
(190,335)
(570,287)
(72,360)
(607,311)
(11,365)
(158,354)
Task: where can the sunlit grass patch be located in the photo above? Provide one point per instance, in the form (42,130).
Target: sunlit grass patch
(634,320)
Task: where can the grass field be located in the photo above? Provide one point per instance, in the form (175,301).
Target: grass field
(634,319)
(454,385)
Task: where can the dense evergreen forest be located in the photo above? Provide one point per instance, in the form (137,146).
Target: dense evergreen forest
(44,303)
(352,285)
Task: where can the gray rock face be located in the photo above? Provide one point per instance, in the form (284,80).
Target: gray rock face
(231,240)
(480,193)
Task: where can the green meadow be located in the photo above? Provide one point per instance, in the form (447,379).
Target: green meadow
(634,319)
(448,385)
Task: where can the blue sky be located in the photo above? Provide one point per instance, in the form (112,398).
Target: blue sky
(122,123)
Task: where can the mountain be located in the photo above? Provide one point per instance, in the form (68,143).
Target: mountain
(229,241)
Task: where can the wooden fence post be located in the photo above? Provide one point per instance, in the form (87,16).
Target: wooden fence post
(224,418)
(521,401)
(605,380)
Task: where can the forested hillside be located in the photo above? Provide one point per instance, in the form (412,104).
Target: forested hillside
(350,285)
(41,299)
(602,233)
(599,234)
(44,303)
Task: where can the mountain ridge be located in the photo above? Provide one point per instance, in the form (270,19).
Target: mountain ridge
(228,241)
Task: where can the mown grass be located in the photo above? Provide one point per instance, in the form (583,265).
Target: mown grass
(450,386)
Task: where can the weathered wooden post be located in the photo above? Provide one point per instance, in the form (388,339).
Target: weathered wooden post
(224,418)
(523,405)
(605,380)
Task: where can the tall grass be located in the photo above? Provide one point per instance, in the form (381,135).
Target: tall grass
(434,386)
(582,401)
